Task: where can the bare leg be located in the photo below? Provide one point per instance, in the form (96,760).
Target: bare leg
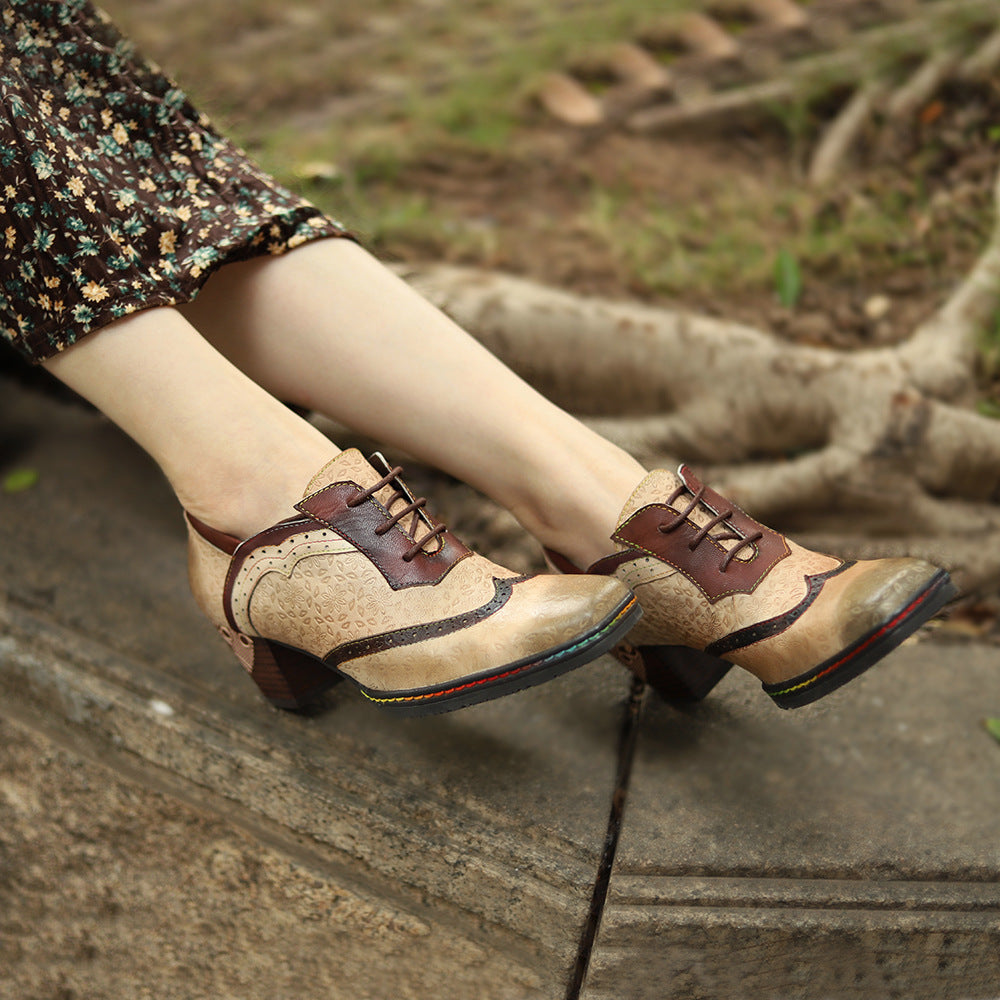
(235,456)
(329,327)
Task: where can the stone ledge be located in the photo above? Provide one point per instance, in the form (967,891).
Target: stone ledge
(637,891)
(469,862)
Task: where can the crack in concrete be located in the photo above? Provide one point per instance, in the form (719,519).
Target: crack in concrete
(627,740)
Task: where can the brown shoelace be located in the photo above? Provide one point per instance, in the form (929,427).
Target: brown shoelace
(412,506)
(729,534)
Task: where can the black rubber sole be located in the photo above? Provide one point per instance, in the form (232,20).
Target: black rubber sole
(511,677)
(868,650)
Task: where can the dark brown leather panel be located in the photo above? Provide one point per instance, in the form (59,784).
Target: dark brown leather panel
(607,565)
(561,563)
(702,563)
(739,519)
(357,524)
(219,539)
(603,567)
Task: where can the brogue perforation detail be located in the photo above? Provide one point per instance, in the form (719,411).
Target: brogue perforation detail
(419,633)
(775,626)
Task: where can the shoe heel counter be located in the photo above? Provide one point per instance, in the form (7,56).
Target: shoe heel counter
(207,569)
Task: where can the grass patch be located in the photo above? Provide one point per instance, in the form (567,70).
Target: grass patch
(756,239)
(989,348)
(461,76)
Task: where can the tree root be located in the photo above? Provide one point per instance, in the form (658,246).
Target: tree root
(871,452)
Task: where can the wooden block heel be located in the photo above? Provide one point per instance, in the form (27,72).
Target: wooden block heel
(286,678)
(677,673)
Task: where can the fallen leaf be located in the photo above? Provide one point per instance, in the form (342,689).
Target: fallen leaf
(931,113)
(566,99)
(318,170)
(20,480)
(993,728)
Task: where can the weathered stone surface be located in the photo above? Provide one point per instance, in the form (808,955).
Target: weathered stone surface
(491,820)
(114,886)
(850,849)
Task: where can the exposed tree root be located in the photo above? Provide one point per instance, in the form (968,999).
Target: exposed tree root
(871,452)
(882,104)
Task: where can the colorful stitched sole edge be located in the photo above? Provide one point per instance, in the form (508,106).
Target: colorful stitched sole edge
(514,676)
(867,651)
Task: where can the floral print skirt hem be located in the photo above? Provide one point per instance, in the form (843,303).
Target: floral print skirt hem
(117,194)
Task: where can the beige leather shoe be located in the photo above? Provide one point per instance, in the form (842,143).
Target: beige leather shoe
(718,589)
(361,583)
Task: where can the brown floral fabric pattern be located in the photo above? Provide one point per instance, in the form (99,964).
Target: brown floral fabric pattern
(117,195)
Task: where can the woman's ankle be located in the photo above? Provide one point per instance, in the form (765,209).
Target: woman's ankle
(573,509)
(237,458)
(245,497)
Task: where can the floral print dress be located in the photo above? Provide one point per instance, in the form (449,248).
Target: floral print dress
(117,195)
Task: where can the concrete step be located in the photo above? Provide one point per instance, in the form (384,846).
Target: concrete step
(847,849)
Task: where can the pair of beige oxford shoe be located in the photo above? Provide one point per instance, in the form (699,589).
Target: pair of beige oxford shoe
(361,583)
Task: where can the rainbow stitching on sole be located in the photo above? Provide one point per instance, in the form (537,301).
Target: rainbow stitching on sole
(562,654)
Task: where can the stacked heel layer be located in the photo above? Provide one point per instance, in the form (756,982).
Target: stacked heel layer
(290,678)
(287,678)
(866,651)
